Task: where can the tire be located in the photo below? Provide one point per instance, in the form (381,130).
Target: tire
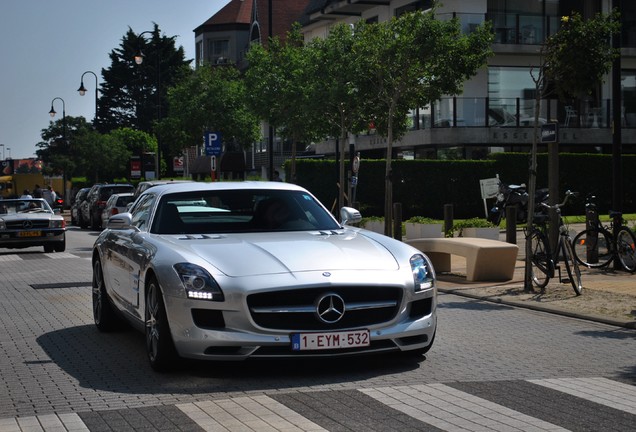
(48,248)
(60,246)
(572,266)
(159,344)
(93,224)
(81,221)
(541,262)
(593,248)
(104,315)
(626,249)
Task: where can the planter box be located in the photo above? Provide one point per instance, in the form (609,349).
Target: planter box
(418,230)
(487,233)
(375,226)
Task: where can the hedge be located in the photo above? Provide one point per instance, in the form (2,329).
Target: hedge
(423,187)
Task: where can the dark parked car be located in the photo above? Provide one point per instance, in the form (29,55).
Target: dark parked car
(96,202)
(77,202)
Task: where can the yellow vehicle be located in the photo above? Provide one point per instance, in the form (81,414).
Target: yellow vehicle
(13,185)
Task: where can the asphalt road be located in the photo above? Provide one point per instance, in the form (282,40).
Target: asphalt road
(493,367)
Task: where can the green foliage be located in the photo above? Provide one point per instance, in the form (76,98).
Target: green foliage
(281,81)
(211,98)
(422,220)
(425,186)
(580,53)
(135,95)
(458,227)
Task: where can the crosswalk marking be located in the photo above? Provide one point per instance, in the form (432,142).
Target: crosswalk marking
(454,410)
(44,423)
(10,258)
(433,406)
(258,413)
(60,255)
(603,391)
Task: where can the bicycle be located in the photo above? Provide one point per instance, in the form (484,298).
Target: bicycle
(544,262)
(596,246)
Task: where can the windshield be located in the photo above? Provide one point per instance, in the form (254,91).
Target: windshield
(239,211)
(14,206)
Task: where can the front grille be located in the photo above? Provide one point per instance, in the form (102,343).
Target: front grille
(35,223)
(296,309)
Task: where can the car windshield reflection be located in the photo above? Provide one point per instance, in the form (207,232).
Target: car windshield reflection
(227,211)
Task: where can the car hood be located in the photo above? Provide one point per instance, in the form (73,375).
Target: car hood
(239,255)
(23,216)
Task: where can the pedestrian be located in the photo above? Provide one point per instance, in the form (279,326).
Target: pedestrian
(277,176)
(37,191)
(26,194)
(49,195)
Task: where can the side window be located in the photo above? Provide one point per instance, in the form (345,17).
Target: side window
(141,212)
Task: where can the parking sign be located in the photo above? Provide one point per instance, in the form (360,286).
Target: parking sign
(212,143)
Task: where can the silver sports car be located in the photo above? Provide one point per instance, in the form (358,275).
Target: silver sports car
(231,270)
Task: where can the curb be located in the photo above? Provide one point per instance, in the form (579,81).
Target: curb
(598,319)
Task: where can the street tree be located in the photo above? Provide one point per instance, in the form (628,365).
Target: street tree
(279,83)
(210,98)
(337,100)
(135,95)
(408,62)
(573,62)
(57,150)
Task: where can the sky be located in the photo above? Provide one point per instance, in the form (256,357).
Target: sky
(46,46)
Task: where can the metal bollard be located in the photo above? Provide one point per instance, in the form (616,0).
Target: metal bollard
(397,221)
(511,224)
(448,218)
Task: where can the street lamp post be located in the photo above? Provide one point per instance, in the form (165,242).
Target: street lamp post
(139,59)
(2,145)
(52,114)
(82,92)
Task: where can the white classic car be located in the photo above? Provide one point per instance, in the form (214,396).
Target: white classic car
(29,222)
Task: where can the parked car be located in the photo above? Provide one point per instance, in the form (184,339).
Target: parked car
(80,196)
(142,186)
(96,201)
(233,270)
(117,203)
(28,222)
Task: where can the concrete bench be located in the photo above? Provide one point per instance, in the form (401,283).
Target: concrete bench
(486,260)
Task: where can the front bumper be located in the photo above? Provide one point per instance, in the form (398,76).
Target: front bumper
(223,334)
(18,239)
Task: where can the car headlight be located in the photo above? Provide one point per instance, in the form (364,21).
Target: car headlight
(57,224)
(198,283)
(422,273)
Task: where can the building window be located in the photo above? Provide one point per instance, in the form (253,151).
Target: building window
(218,51)
(415,6)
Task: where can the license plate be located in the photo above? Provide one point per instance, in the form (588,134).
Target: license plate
(331,340)
(29,233)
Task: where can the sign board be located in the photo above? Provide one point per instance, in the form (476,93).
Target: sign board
(212,143)
(213,164)
(356,165)
(177,163)
(549,132)
(489,188)
(135,167)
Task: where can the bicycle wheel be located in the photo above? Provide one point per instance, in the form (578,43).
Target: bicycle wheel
(625,249)
(572,267)
(540,259)
(593,248)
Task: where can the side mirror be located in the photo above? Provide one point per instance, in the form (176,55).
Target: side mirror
(349,215)
(120,221)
